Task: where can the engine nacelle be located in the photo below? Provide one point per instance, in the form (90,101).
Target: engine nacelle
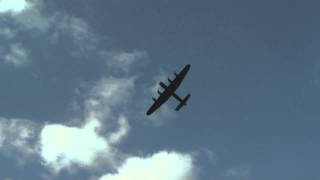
(163,85)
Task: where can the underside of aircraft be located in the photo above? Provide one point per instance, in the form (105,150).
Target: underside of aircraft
(170,91)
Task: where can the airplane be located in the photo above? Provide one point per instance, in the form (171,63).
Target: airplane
(170,91)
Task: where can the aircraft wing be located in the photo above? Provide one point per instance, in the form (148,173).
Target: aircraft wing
(179,77)
(158,102)
(170,91)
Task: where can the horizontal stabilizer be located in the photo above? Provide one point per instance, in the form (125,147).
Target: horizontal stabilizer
(183,102)
(179,107)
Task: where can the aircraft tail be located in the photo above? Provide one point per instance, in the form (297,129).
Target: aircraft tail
(183,102)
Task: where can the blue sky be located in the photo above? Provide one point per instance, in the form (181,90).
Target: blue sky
(78,76)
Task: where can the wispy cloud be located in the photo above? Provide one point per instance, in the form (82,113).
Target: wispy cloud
(55,26)
(18,136)
(7,32)
(240,172)
(122,131)
(81,34)
(17,56)
(124,60)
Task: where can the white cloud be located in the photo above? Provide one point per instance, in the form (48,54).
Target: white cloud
(17,56)
(61,146)
(160,166)
(122,131)
(13,6)
(106,94)
(113,91)
(28,14)
(124,61)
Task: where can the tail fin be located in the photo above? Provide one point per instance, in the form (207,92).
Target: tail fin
(183,102)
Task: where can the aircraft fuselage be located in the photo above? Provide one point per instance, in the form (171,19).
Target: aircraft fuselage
(169,90)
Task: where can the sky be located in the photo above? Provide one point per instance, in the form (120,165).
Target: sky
(78,76)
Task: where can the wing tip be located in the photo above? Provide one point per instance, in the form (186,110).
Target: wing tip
(148,113)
